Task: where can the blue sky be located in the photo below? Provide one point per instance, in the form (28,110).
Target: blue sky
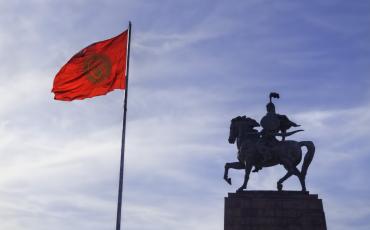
(194,66)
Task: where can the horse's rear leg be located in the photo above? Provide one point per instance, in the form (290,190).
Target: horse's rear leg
(300,177)
(233,165)
(288,174)
(291,171)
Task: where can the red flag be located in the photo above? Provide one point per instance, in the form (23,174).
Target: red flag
(94,71)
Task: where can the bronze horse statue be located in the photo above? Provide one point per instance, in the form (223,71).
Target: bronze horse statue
(287,152)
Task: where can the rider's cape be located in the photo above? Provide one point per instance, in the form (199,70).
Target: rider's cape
(276,122)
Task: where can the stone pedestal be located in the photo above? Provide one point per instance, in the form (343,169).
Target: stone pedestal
(273,210)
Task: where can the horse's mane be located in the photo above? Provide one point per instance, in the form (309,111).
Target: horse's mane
(245,119)
(238,118)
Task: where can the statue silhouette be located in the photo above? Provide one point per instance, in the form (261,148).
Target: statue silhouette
(263,149)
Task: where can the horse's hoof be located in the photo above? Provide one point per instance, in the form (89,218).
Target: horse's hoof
(240,189)
(228,180)
(279,187)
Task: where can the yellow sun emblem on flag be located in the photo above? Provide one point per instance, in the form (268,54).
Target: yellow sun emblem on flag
(97,68)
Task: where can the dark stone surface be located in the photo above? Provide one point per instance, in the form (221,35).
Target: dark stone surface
(274,210)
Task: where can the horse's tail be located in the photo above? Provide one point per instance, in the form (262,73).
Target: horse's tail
(308,156)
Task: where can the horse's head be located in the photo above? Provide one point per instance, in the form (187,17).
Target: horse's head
(234,130)
(240,124)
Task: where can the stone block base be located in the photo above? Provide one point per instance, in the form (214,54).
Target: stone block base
(273,210)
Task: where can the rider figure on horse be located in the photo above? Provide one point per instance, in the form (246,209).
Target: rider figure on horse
(273,125)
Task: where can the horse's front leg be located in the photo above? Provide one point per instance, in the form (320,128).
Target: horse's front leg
(248,168)
(233,165)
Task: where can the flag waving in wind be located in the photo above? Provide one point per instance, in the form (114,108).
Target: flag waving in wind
(94,71)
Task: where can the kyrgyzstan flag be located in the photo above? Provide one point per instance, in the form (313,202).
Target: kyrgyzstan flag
(94,71)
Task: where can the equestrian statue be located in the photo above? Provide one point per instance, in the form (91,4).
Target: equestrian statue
(261,149)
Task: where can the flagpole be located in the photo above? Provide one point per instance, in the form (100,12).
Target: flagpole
(119,203)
